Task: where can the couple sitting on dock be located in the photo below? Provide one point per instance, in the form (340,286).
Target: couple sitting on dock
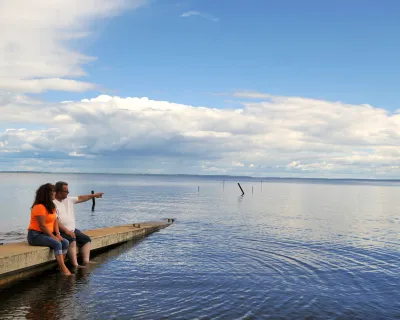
(52,224)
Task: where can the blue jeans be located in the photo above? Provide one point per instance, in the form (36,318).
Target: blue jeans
(36,238)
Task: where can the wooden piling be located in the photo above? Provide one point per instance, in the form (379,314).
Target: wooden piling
(93,201)
(241,188)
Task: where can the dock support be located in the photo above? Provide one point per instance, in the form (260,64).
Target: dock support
(241,188)
(93,201)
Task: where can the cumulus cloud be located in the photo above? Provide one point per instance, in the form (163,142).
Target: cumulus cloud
(40,85)
(194,13)
(282,136)
(35,54)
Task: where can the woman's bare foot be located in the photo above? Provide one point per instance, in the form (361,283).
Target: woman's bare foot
(66,273)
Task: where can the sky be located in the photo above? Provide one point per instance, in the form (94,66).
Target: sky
(265,88)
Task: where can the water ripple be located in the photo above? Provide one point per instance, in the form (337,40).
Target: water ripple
(293,251)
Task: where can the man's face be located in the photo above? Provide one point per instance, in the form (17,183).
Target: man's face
(64,192)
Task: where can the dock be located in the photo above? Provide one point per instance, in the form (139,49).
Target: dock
(20,260)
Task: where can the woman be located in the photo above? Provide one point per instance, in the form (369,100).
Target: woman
(43,228)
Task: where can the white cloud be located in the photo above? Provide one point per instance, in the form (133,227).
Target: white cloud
(321,166)
(76,154)
(194,13)
(251,95)
(35,55)
(40,85)
(237,164)
(284,136)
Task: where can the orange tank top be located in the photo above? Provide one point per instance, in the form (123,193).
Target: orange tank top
(40,210)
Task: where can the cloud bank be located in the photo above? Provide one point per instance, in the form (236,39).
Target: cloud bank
(267,136)
(279,136)
(35,48)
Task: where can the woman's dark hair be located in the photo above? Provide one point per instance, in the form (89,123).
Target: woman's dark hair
(44,197)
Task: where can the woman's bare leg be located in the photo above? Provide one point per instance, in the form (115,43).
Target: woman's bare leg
(61,264)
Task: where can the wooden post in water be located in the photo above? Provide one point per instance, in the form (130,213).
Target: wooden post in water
(198,188)
(93,201)
(261,185)
(241,188)
(252,189)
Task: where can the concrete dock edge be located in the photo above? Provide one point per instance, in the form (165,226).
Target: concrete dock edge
(20,260)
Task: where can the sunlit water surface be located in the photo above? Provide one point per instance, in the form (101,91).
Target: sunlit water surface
(287,249)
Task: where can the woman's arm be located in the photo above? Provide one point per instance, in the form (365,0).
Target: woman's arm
(57,230)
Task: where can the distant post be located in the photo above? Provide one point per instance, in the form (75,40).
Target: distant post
(93,201)
(241,188)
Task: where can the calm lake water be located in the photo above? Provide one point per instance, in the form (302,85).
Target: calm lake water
(291,249)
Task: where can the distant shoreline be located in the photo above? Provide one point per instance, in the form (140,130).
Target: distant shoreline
(205,175)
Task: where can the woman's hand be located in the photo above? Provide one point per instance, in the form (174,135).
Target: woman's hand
(59,238)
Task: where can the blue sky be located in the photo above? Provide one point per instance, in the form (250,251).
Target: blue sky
(332,50)
(281,88)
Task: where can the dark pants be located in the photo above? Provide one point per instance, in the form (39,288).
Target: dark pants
(80,238)
(36,238)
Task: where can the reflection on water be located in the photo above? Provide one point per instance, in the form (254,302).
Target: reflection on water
(293,250)
(51,295)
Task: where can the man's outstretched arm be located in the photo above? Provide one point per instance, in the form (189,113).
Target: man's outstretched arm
(87,197)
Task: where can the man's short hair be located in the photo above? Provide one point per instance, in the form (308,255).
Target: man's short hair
(59,185)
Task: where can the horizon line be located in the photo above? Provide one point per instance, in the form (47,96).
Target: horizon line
(201,175)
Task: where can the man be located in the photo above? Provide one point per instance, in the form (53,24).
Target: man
(66,216)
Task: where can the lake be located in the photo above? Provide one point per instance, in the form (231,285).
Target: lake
(286,249)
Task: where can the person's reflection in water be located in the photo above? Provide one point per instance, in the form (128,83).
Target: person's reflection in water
(47,302)
(51,295)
